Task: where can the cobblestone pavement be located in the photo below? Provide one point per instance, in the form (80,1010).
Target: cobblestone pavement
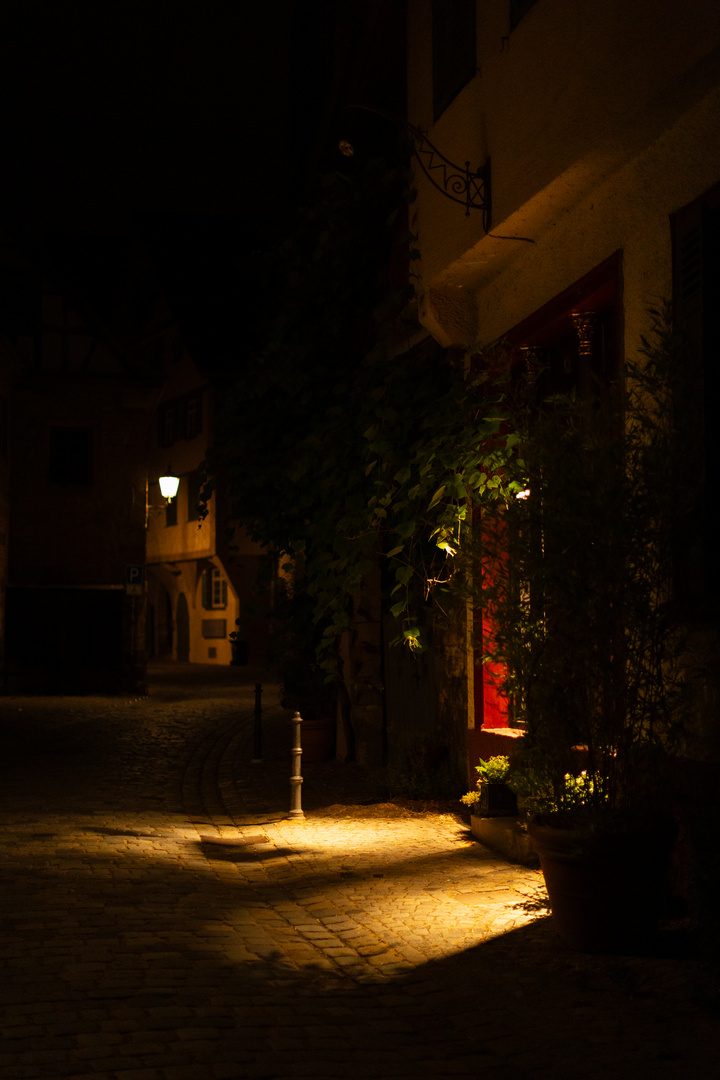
(162,920)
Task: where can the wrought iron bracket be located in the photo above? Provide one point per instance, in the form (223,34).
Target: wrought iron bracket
(468,187)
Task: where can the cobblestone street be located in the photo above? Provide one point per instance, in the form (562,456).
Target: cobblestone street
(162,919)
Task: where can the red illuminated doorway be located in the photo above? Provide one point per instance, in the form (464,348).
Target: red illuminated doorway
(575,340)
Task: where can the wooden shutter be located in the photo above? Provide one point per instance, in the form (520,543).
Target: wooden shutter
(207,589)
(696,299)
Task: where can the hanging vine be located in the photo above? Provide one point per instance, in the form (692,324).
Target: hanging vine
(333,447)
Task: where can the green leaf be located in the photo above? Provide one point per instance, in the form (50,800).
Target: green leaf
(406,529)
(394,551)
(403,574)
(437,496)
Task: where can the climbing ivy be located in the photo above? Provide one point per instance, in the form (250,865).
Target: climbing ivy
(337,447)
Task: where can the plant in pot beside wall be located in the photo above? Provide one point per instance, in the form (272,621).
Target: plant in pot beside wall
(577,587)
(492,796)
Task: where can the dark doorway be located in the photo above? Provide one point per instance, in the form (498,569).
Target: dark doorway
(64,640)
(183,628)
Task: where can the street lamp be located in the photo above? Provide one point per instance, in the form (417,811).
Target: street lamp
(169,486)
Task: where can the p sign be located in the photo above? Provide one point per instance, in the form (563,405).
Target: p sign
(134,580)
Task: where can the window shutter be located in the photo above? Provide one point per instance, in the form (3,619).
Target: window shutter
(696,294)
(454,50)
(207,590)
(171,517)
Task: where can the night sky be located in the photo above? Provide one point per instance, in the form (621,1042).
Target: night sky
(188,124)
(194,125)
(112,109)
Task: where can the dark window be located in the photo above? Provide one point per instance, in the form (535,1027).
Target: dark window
(519,8)
(180,419)
(220,590)
(194,487)
(70,457)
(214,589)
(167,423)
(171,517)
(454,50)
(696,292)
(214,628)
(193,415)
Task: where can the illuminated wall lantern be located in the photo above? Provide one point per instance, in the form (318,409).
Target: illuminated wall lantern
(169,486)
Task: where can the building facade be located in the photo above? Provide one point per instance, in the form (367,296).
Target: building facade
(203,600)
(79,399)
(98,398)
(590,130)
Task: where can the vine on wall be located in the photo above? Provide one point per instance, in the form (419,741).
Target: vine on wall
(334,449)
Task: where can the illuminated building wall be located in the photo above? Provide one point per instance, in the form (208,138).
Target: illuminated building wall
(599,122)
(199,585)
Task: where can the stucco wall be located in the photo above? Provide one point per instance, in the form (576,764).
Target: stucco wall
(601,119)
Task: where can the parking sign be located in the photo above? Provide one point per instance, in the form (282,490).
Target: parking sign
(134,580)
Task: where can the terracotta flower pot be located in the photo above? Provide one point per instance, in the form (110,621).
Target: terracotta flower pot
(606,889)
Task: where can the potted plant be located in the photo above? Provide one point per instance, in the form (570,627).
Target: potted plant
(576,588)
(492,796)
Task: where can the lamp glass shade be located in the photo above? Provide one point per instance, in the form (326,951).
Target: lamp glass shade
(169,486)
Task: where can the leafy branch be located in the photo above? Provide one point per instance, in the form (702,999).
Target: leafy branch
(338,447)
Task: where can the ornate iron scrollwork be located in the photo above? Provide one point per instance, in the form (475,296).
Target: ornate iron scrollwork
(469,187)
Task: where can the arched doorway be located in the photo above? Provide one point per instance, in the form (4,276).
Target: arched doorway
(183,628)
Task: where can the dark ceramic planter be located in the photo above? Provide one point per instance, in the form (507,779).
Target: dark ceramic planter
(496,800)
(606,890)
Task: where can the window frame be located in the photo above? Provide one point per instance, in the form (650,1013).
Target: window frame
(214,589)
(454,50)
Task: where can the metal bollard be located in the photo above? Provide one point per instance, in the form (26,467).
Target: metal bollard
(295,777)
(257,740)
